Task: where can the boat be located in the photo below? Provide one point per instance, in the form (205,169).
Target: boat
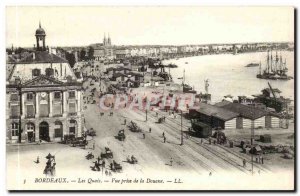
(171,65)
(252,65)
(275,69)
(185,87)
(186,62)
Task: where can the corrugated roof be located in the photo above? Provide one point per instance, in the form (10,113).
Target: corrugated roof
(245,111)
(222,103)
(218,112)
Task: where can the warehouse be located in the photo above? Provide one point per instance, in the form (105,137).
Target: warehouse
(214,116)
(247,114)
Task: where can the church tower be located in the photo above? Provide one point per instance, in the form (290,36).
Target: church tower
(108,40)
(40,38)
(104,40)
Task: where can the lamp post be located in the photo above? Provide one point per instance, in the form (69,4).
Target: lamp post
(181,129)
(252,137)
(146,115)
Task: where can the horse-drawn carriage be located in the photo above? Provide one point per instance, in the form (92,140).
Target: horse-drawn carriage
(108,154)
(68,138)
(134,127)
(89,156)
(91,132)
(132,160)
(79,141)
(161,119)
(115,167)
(121,135)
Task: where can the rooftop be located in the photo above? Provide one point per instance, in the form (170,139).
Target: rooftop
(218,112)
(245,111)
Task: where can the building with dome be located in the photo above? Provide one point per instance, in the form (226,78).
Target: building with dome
(43,96)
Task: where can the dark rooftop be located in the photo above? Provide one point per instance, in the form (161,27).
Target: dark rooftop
(42,57)
(245,111)
(218,112)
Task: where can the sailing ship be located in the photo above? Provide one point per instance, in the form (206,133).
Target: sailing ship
(275,69)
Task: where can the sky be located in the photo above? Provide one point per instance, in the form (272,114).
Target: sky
(81,26)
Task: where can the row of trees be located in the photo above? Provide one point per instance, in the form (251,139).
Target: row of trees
(83,56)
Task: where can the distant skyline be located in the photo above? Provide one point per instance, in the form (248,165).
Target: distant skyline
(81,26)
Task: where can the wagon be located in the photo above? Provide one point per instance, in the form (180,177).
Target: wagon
(108,154)
(121,135)
(115,167)
(132,160)
(79,141)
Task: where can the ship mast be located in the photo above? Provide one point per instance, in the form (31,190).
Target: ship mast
(268,62)
(271,61)
(260,68)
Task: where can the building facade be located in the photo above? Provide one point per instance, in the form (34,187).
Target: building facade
(43,98)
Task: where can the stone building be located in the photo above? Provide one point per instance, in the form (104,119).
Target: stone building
(43,97)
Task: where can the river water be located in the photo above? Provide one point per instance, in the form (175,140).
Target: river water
(227,74)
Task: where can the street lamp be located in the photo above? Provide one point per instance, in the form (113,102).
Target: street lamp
(19,88)
(181,129)
(252,137)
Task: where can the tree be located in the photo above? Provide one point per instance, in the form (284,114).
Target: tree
(82,54)
(91,53)
(71,59)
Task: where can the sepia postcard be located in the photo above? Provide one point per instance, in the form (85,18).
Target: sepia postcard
(157,98)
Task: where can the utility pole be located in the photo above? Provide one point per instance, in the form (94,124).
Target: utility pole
(181,130)
(252,138)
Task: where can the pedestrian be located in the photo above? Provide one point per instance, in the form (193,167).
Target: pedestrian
(171,161)
(165,139)
(256,159)
(98,159)
(144,135)
(106,172)
(94,146)
(262,160)
(124,121)
(109,173)
(209,141)
(201,140)
(156,114)
(150,130)
(260,157)
(163,134)
(38,160)
(244,162)
(210,173)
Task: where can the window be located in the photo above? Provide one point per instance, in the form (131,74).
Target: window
(29,96)
(14,129)
(58,132)
(14,97)
(15,110)
(72,108)
(72,94)
(30,111)
(57,109)
(44,110)
(36,72)
(57,95)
